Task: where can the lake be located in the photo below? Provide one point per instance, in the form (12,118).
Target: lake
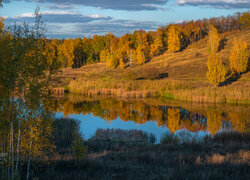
(156,116)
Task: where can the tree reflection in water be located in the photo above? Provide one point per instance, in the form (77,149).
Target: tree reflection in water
(172,115)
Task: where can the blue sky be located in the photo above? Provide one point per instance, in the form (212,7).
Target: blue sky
(78,18)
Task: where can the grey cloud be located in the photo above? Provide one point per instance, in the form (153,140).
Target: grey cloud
(226,4)
(128,5)
(57,17)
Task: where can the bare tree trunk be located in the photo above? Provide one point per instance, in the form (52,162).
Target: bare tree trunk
(18,143)
(12,134)
(18,140)
(28,169)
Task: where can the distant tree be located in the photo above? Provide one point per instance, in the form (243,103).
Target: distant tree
(132,57)
(173,39)
(98,44)
(214,40)
(67,53)
(245,20)
(140,57)
(79,55)
(157,47)
(89,51)
(121,63)
(1,26)
(51,53)
(103,55)
(239,57)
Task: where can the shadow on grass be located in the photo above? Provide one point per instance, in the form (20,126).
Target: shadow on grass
(232,78)
(223,43)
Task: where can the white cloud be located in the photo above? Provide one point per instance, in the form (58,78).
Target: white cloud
(129,5)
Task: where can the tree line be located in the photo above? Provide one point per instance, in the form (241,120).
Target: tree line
(140,46)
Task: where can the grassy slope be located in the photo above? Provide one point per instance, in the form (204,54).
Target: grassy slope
(186,76)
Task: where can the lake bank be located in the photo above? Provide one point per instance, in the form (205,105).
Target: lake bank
(224,156)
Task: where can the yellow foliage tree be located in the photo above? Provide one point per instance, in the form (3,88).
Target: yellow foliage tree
(239,57)
(67,49)
(111,60)
(140,57)
(103,55)
(173,121)
(35,141)
(50,53)
(216,70)
(173,39)
(214,40)
(157,47)
(1,26)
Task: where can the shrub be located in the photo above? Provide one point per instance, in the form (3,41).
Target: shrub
(78,148)
(169,138)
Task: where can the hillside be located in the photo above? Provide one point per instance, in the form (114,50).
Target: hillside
(169,73)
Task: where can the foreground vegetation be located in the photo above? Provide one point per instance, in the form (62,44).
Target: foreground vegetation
(222,156)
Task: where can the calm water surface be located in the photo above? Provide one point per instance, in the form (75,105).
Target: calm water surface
(155,116)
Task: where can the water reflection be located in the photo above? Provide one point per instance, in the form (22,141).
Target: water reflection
(151,114)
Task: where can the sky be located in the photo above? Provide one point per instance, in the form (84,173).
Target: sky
(85,18)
